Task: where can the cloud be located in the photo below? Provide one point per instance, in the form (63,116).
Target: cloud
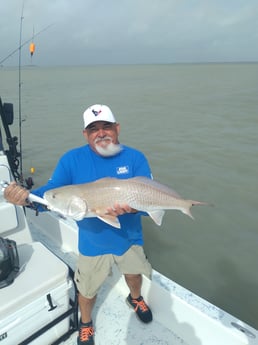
(135,31)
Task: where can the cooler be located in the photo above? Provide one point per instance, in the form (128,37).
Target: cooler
(39,295)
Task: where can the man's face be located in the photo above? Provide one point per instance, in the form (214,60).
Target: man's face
(103,137)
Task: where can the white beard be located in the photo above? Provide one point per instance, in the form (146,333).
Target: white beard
(109,149)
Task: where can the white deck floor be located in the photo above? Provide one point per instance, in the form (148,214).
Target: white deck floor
(125,329)
(179,316)
(112,309)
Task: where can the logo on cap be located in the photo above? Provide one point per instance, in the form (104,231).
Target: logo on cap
(95,112)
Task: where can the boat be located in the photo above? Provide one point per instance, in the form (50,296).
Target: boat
(40,306)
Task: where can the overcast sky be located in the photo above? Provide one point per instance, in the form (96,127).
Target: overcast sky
(78,32)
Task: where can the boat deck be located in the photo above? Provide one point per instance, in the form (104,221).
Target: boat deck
(179,315)
(111,309)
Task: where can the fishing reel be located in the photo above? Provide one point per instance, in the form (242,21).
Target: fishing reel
(29,183)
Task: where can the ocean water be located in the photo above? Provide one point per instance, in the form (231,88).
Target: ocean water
(198,126)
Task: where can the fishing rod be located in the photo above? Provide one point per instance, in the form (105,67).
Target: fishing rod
(19,175)
(19,106)
(31,197)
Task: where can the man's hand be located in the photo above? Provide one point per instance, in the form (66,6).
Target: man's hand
(16,194)
(118,210)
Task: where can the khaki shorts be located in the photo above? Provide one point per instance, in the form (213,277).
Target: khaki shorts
(92,271)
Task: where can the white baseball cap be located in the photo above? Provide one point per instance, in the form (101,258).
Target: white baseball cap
(98,112)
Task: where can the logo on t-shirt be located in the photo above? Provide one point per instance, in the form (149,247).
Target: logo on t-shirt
(122,170)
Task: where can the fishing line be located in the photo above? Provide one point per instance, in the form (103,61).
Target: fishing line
(23,44)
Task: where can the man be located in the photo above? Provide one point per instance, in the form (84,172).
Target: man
(100,244)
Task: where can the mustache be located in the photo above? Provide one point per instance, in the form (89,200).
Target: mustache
(106,137)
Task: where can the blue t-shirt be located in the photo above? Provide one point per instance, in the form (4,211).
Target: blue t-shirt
(83,165)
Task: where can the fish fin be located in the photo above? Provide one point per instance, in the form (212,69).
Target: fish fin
(187,212)
(157,216)
(111,220)
(77,208)
(193,203)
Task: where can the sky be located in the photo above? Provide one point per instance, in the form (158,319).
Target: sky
(81,32)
